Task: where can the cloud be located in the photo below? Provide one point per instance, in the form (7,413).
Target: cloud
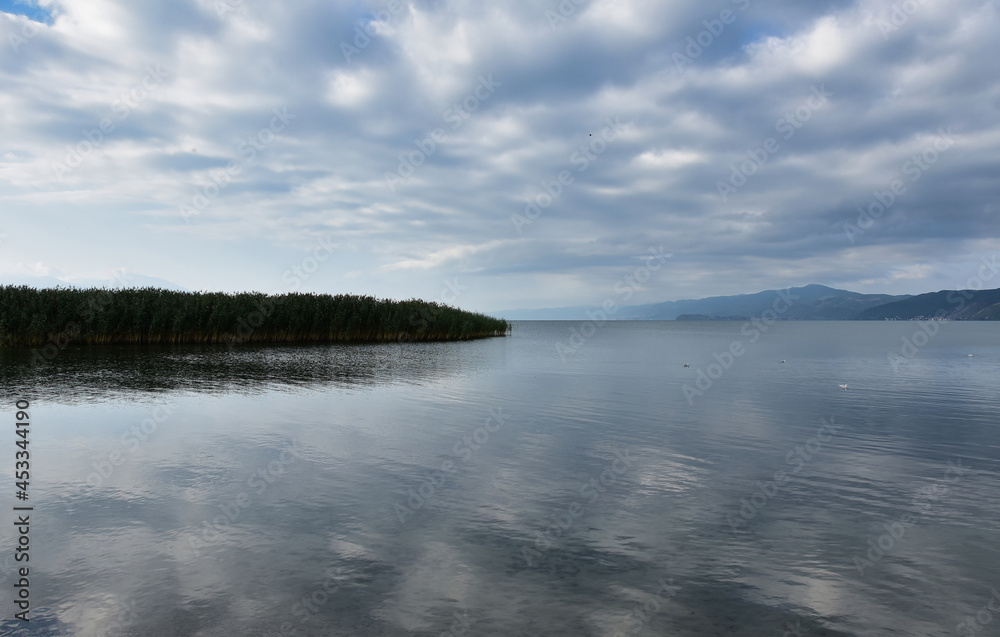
(411,78)
(36,10)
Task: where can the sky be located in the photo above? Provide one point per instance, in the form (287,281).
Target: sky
(501,155)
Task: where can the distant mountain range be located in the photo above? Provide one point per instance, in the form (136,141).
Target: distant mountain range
(955,305)
(809,303)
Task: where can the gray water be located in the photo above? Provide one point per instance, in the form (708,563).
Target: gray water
(493,488)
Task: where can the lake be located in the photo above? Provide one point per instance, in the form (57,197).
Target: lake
(548,483)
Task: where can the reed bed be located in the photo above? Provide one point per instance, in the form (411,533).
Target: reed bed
(32,317)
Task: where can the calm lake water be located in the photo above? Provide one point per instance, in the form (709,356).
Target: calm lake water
(493,488)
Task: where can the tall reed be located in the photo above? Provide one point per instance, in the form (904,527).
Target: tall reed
(32,317)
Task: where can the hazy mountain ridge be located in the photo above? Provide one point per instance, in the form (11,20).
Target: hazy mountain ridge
(811,302)
(807,303)
(955,305)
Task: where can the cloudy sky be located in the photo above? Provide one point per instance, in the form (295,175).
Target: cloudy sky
(501,155)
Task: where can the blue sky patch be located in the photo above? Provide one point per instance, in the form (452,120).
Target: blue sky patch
(29,9)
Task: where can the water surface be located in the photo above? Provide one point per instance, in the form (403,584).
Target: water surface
(510,486)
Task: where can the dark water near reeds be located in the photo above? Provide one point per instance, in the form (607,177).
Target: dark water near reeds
(367,490)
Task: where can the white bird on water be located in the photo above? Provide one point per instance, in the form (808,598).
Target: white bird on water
(841,386)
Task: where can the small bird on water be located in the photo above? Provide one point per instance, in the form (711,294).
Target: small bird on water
(687,364)
(782,361)
(842,386)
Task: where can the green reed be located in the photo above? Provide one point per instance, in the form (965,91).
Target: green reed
(32,317)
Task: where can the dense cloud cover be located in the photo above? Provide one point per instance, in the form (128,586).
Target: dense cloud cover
(501,155)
